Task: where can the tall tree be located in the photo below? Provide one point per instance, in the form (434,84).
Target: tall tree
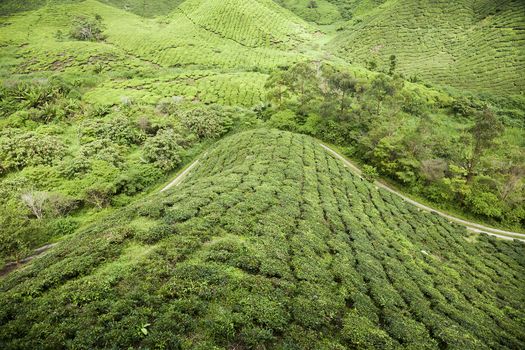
(344,86)
(485,129)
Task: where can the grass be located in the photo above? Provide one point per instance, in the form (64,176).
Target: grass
(271,241)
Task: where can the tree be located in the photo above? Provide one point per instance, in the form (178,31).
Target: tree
(343,86)
(312,4)
(486,128)
(35,201)
(87,29)
(383,87)
(433,169)
(302,80)
(393,64)
(277,87)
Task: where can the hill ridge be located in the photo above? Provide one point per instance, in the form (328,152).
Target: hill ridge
(268,243)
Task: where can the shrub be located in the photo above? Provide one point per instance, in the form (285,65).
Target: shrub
(99,195)
(207,122)
(137,178)
(370,173)
(164,149)
(19,149)
(103,149)
(35,201)
(87,29)
(60,205)
(118,129)
(284,120)
(74,167)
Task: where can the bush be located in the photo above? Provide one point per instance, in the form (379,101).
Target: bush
(370,173)
(164,149)
(42,99)
(19,149)
(87,29)
(284,120)
(118,129)
(208,122)
(103,149)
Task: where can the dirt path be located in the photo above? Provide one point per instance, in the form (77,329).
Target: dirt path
(15,264)
(471,226)
(7,268)
(180,177)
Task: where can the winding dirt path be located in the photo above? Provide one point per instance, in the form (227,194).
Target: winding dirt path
(471,226)
(180,177)
(10,266)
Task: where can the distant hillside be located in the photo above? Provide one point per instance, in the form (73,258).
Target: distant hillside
(139,7)
(329,11)
(222,34)
(252,23)
(269,243)
(469,44)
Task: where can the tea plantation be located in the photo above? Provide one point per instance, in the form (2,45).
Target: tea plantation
(475,45)
(270,243)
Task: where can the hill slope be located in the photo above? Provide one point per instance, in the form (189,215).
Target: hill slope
(269,242)
(214,34)
(471,44)
(139,7)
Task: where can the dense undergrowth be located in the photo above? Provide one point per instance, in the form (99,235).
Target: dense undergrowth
(269,243)
(460,152)
(61,158)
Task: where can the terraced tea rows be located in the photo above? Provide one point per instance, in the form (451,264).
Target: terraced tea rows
(243,89)
(480,47)
(270,241)
(250,23)
(183,38)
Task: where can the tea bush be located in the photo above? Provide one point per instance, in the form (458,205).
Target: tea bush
(270,241)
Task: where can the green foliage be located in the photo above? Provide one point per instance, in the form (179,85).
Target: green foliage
(118,129)
(20,149)
(370,173)
(44,100)
(284,120)
(87,29)
(207,122)
(403,134)
(164,149)
(269,242)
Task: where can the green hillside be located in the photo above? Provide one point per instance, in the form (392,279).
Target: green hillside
(139,7)
(269,243)
(468,44)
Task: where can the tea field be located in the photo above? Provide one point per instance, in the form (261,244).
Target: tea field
(270,242)
(474,45)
